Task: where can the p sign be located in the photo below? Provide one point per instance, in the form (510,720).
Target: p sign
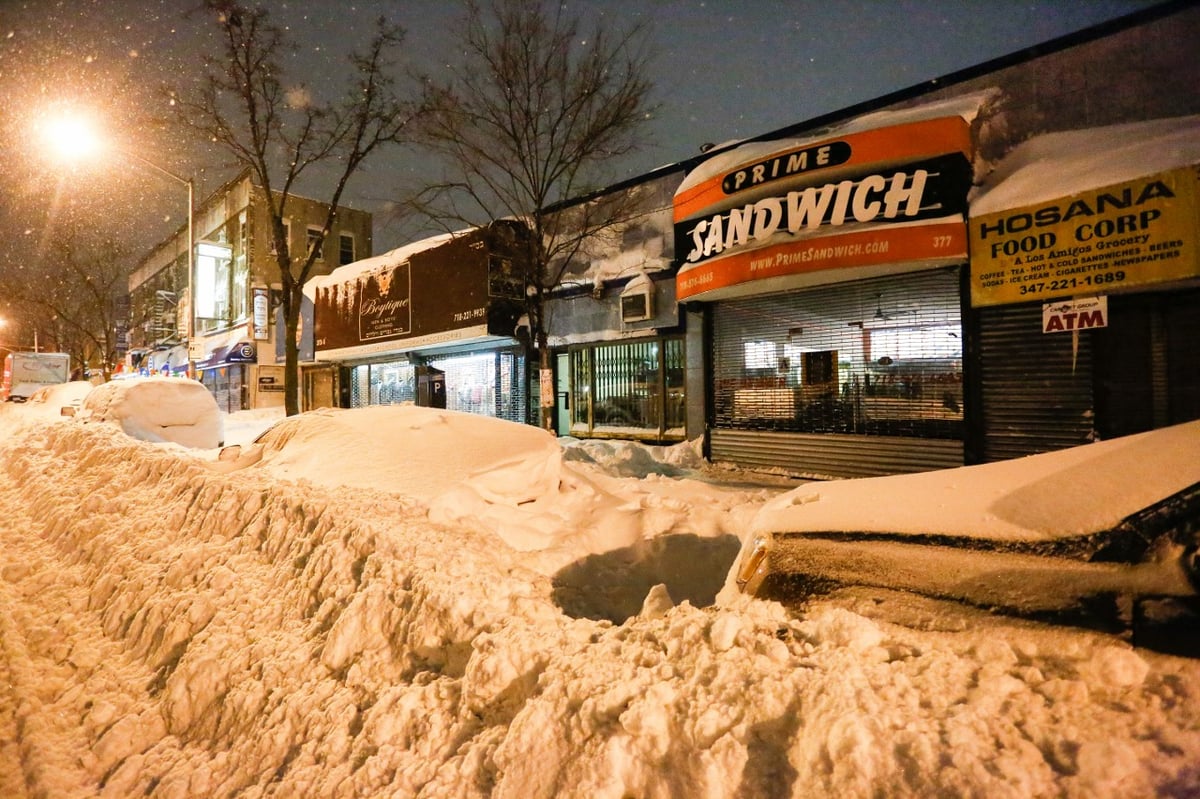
(1078,314)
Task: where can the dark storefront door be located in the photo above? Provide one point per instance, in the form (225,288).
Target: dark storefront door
(228,386)
(1147,367)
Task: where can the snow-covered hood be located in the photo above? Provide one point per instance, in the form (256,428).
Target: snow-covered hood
(1073,492)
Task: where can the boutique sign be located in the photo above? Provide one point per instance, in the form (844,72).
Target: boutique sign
(432,293)
(827,205)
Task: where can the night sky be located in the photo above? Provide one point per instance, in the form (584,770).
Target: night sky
(726,69)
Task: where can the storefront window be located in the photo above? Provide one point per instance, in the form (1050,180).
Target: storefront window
(227,385)
(875,357)
(628,388)
(470,383)
(486,383)
(382,384)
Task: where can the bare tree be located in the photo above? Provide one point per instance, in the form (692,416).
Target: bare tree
(280,133)
(537,114)
(73,303)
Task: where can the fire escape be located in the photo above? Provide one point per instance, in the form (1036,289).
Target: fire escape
(162,328)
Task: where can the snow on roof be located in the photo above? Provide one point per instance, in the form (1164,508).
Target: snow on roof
(1055,165)
(366,266)
(966,106)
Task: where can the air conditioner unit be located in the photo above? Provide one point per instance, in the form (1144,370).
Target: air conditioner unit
(637,300)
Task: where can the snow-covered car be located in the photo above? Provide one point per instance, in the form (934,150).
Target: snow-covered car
(157,409)
(406,449)
(63,399)
(1103,534)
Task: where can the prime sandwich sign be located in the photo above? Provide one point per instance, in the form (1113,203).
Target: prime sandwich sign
(795,215)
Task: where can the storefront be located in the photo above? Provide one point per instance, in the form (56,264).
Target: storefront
(1085,285)
(432,323)
(617,336)
(487,380)
(833,273)
(226,372)
(627,389)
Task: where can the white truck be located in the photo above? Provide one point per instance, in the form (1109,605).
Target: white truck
(26,372)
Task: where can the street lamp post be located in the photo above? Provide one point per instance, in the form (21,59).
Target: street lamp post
(73,136)
(191,253)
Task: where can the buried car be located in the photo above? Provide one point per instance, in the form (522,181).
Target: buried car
(173,410)
(1104,535)
(61,399)
(405,449)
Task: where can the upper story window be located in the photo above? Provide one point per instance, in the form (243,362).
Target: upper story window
(314,242)
(287,236)
(345,249)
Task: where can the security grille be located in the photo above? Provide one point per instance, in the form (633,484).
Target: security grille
(633,388)
(877,357)
(489,383)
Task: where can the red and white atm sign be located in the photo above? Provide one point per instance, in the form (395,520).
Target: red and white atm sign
(1083,313)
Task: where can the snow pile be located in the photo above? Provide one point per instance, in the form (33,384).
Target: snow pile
(168,629)
(158,409)
(48,402)
(632,459)
(413,451)
(509,480)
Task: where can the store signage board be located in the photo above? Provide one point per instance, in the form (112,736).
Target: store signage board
(894,195)
(1067,316)
(433,295)
(260,307)
(942,242)
(1136,233)
(383,302)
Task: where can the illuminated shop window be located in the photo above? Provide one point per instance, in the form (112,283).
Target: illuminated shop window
(629,388)
(873,357)
(214,285)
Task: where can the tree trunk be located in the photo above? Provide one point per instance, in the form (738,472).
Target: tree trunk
(546,382)
(291,349)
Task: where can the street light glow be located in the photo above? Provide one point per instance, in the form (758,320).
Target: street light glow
(71,136)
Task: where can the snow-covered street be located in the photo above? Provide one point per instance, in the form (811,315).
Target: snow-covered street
(171,627)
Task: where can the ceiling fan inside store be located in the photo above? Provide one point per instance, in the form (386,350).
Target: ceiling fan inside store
(894,314)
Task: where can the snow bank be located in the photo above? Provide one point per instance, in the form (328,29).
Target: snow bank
(170,630)
(413,451)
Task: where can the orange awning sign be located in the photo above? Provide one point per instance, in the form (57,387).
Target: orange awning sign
(858,200)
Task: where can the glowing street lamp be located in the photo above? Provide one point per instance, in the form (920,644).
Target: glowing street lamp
(72,137)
